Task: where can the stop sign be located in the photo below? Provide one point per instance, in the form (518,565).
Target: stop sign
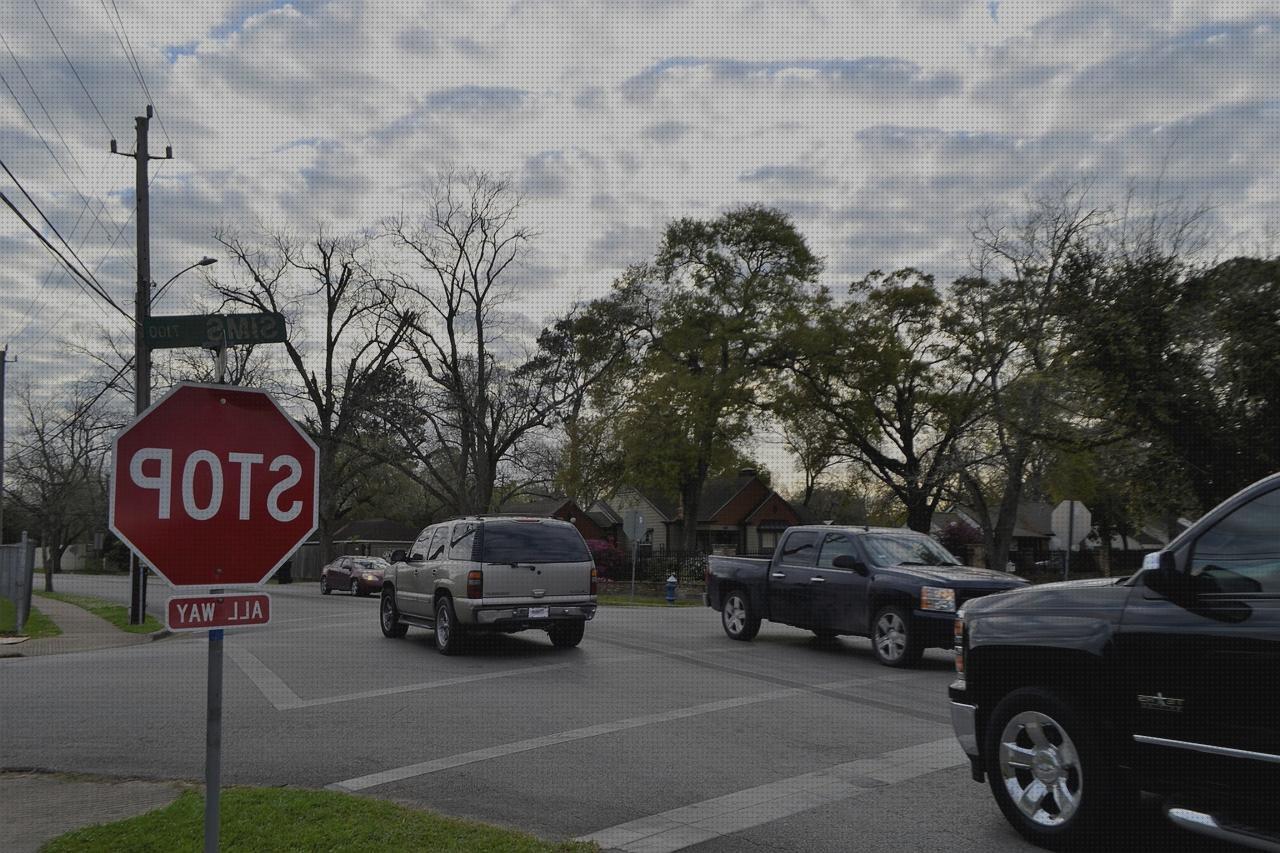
(214,486)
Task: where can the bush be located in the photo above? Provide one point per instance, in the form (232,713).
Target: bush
(608,557)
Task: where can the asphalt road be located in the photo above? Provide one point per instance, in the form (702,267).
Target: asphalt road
(658,733)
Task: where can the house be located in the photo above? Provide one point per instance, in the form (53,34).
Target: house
(1032,530)
(564,509)
(739,514)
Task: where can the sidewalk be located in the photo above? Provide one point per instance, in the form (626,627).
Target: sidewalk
(35,808)
(81,631)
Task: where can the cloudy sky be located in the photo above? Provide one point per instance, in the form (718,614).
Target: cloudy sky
(883,127)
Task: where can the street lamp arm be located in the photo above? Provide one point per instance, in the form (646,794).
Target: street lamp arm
(203,262)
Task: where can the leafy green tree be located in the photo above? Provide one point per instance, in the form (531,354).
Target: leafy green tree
(880,374)
(709,312)
(1189,359)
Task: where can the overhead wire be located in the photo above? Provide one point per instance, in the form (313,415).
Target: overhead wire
(72,66)
(53,227)
(126,45)
(40,101)
(54,251)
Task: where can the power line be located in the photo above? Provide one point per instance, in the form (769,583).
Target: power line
(126,45)
(54,250)
(72,66)
(58,233)
(70,180)
(40,101)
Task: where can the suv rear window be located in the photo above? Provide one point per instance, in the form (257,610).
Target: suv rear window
(531,542)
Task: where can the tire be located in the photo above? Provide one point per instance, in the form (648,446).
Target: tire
(324,585)
(355,588)
(893,639)
(566,635)
(1049,772)
(448,632)
(389,617)
(738,617)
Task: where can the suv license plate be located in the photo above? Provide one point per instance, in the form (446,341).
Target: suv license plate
(539,612)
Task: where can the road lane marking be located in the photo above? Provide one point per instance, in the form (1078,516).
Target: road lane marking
(283,698)
(731,813)
(435,765)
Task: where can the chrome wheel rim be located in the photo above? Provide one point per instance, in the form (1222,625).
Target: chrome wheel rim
(1040,768)
(387,621)
(891,636)
(735,615)
(442,626)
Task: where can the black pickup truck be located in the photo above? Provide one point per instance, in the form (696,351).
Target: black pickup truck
(898,587)
(1072,698)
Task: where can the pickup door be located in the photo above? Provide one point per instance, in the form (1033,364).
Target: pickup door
(791,587)
(839,596)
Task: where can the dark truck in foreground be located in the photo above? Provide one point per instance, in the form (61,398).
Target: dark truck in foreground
(898,587)
(1072,698)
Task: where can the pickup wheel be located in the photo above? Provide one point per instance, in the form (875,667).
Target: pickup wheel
(448,632)
(389,617)
(737,616)
(893,638)
(566,635)
(1049,772)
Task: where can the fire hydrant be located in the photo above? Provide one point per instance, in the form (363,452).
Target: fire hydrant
(671,589)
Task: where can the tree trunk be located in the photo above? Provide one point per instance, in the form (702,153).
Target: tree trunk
(690,504)
(919,511)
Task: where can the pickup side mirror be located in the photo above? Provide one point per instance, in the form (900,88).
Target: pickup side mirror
(848,561)
(1163,575)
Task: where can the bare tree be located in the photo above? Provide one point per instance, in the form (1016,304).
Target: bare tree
(341,343)
(1013,341)
(480,395)
(57,474)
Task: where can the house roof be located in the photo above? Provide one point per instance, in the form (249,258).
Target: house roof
(541,508)
(605,511)
(718,491)
(667,506)
(1031,522)
(375,530)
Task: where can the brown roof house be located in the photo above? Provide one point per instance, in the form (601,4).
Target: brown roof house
(561,508)
(738,515)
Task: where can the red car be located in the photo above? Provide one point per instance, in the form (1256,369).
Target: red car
(357,575)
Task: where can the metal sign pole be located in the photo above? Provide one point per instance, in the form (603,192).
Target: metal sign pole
(1071,535)
(213,744)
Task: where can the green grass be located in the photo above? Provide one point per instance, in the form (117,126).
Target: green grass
(624,599)
(116,614)
(255,819)
(38,625)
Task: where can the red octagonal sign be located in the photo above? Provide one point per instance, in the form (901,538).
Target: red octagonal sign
(214,486)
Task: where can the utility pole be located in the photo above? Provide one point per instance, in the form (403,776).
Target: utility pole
(4,360)
(142,311)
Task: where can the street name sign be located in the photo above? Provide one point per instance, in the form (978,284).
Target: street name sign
(212,331)
(202,612)
(214,486)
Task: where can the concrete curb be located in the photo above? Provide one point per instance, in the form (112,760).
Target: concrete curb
(159,635)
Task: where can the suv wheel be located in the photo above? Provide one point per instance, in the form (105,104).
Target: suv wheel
(1048,771)
(448,632)
(736,616)
(389,617)
(566,635)
(893,639)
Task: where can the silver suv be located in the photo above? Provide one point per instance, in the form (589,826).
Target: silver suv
(487,573)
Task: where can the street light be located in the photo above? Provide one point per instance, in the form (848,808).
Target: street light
(203,262)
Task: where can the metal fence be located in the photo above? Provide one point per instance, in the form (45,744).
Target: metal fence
(17,568)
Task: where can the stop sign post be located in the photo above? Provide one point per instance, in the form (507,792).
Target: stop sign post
(214,487)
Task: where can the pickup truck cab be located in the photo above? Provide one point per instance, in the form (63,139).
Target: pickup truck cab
(491,573)
(1072,698)
(898,587)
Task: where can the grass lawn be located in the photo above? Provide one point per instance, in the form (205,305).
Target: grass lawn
(38,625)
(624,599)
(255,819)
(116,614)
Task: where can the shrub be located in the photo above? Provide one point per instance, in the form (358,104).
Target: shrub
(608,557)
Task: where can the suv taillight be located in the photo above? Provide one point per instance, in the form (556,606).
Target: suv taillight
(475,584)
(595,579)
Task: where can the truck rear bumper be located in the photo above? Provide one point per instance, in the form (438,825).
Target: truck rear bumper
(512,617)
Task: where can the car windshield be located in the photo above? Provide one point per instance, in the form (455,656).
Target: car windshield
(532,542)
(907,549)
(372,563)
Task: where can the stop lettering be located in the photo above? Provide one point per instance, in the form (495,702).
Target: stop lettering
(214,486)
